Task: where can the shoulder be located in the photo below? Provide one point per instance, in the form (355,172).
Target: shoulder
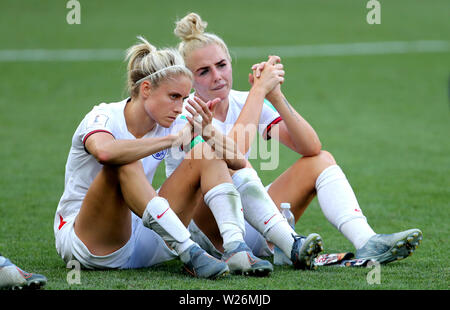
(237,98)
(108,109)
(104,116)
(102,108)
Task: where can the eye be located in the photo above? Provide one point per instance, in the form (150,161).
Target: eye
(222,63)
(203,72)
(174,96)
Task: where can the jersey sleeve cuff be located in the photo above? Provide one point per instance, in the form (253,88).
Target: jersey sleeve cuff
(90,134)
(269,127)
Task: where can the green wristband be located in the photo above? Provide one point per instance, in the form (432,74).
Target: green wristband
(196,140)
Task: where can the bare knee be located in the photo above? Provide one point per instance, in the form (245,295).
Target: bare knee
(314,165)
(327,157)
(321,159)
(125,171)
(204,157)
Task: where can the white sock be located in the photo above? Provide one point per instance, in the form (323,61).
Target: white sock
(225,204)
(181,249)
(340,206)
(183,246)
(159,217)
(357,225)
(281,235)
(261,212)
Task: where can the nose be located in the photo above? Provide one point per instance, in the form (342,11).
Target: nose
(179,106)
(216,75)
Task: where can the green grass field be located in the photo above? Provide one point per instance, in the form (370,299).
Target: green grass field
(385,118)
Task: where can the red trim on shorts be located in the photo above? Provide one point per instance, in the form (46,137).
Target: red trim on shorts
(269,127)
(61,222)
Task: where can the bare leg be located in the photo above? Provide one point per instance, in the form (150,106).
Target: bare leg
(191,180)
(205,221)
(303,174)
(104,221)
(297,184)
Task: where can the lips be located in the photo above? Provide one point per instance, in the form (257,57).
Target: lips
(219,87)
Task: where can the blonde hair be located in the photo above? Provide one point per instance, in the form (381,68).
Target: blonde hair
(146,62)
(191,30)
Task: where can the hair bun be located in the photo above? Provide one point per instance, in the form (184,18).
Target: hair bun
(190,27)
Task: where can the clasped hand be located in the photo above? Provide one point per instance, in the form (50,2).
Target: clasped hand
(268,74)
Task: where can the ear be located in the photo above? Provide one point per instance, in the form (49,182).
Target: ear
(145,88)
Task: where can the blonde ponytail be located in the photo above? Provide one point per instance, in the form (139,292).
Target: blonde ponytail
(145,61)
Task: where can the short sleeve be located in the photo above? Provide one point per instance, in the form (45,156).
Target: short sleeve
(269,118)
(98,120)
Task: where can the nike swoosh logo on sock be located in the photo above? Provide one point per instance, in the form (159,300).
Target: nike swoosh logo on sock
(265,222)
(160,215)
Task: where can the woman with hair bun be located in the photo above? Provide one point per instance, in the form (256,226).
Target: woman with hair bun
(209,60)
(315,173)
(109,215)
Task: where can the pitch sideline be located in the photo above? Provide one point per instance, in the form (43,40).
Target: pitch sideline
(292,51)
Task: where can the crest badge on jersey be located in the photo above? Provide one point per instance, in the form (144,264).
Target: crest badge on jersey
(160,155)
(98,120)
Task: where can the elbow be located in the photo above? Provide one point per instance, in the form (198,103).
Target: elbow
(236,164)
(242,163)
(103,157)
(312,150)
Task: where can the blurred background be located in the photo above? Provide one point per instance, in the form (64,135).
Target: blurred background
(377,95)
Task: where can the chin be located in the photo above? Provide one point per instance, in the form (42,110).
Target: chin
(165,123)
(222,94)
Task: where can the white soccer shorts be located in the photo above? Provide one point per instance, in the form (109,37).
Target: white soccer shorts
(144,249)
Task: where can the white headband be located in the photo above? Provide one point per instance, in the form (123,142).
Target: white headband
(159,71)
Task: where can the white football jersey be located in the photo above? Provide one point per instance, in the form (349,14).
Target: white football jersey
(269,117)
(82,167)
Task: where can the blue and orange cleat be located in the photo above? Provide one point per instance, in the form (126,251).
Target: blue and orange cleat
(391,247)
(14,278)
(203,265)
(305,250)
(241,260)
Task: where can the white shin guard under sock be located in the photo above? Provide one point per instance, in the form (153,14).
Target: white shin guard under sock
(261,212)
(340,206)
(225,204)
(159,217)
